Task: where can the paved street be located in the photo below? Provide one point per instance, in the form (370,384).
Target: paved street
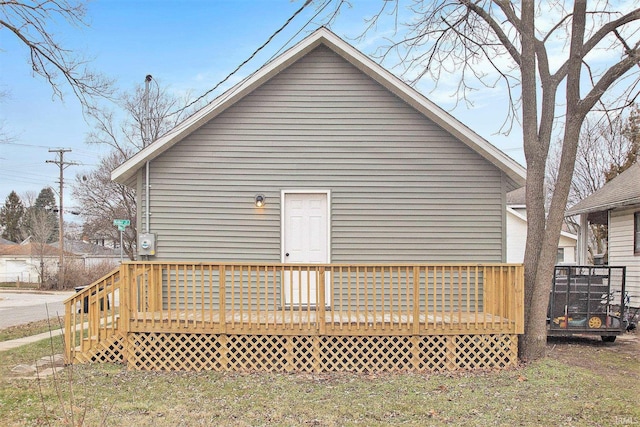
(17,308)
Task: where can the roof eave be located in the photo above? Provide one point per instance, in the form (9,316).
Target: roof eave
(604,207)
(128,169)
(513,169)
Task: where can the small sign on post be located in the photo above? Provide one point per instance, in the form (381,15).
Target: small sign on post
(122,225)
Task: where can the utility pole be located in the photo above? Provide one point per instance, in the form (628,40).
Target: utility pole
(62,164)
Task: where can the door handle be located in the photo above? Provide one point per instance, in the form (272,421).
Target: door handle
(287,254)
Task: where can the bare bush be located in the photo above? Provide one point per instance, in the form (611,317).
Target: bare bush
(78,272)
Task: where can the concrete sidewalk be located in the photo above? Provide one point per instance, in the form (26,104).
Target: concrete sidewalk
(11,344)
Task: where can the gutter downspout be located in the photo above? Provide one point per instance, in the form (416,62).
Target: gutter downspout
(146,195)
(145,142)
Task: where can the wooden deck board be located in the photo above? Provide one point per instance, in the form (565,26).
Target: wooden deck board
(296,317)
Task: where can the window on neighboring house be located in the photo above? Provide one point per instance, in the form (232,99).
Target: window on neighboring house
(560,256)
(636,233)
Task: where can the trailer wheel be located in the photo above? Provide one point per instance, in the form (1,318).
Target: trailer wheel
(608,338)
(595,322)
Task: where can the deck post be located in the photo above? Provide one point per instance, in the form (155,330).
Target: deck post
(519,300)
(487,294)
(450,353)
(223,339)
(222,316)
(322,324)
(152,293)
(416,300)
(124,324)
(316,353)
(94,318)
(69,349)
(289,355)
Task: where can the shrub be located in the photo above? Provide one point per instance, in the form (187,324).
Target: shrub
(78,273)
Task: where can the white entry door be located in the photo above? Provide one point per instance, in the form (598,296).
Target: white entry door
(305,241)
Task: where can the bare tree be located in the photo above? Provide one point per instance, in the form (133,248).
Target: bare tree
(102,200)
(548,57)
(29,198)
(41,230)
(128,135)
(604,147)
(31,23)
(631,133)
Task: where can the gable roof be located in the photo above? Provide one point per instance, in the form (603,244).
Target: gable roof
(623,190)
(322,36)
(79,247)
(523,218)
(6,242)
(31,249)
(517,197)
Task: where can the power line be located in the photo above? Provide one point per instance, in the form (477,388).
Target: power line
(305,26)
(25,180)
(198,99)
(22,145)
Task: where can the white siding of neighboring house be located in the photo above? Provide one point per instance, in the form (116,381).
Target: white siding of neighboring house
(15,268)
(621,250)
(402,188)
(568,245)
(516,236)
(517,239)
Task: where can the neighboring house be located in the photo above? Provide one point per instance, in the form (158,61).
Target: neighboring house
(517,232)
(617,205)
(100,238)
(321,215)
(21,263)
(91,254)
(6,242)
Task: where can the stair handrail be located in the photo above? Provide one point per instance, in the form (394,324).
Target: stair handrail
(92,313)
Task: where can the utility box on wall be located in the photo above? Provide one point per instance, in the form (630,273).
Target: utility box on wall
(146,244)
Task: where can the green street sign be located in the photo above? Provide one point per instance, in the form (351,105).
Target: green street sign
(122,227)
(121,223)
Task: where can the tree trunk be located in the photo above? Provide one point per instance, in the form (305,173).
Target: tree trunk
(533,342)
(544,231)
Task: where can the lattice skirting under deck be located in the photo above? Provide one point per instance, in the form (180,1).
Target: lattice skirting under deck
(110,350)
(274,353)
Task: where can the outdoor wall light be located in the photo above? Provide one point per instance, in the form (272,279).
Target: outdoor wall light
(260,200)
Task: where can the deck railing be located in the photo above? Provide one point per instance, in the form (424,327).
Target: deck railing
(323,299)
(297,299)
(92,314)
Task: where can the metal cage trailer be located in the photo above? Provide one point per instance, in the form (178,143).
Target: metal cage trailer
(587,300)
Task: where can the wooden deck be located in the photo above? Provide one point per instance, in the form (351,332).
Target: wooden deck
(149,315)
(309,322)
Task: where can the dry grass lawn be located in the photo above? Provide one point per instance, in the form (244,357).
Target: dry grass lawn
(582,382)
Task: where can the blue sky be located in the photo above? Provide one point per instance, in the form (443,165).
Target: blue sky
(188,46)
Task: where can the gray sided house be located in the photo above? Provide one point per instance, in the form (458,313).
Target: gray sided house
(617,205)
(319,216)
(353,165)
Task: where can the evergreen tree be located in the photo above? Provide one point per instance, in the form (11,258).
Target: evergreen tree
(45,204)
(11,217)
